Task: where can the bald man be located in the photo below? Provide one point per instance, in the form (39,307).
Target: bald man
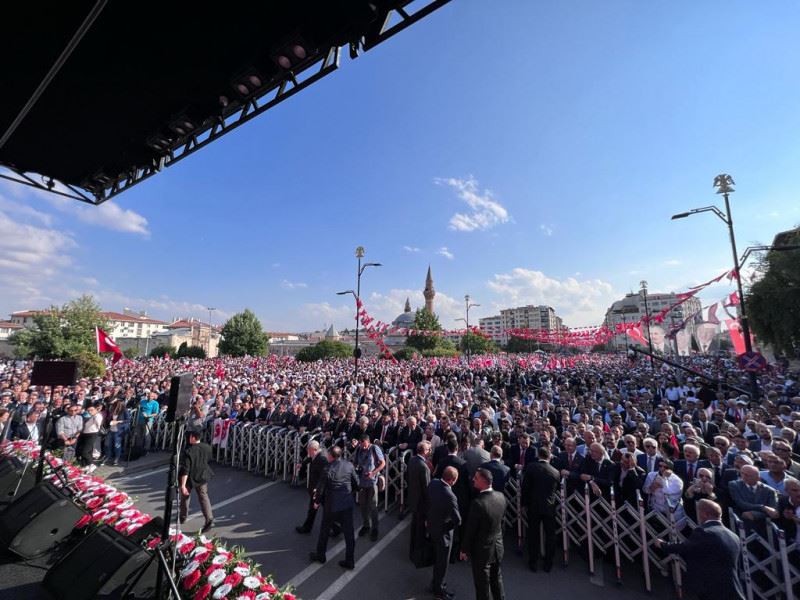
(752,500)
(443,517)
(712,556)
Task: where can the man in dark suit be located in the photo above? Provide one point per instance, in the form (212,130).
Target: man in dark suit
(316,465)
(483,538)
(194,474)
(627,478)
(385,432)
(569,464)
(540,498)
(410,435)
(497,468)
(461,486)
(686,468)
(28,429)
(712,556)
(650,459)
(596,471)
(443,517)
(336,490)
(419,476)
(708,430)
(520,455)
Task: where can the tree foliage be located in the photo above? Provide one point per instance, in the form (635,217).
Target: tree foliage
(162,350)
(324,349)
(405,353)
(477,344)
(773,301)
(187,351)
(519,345)
(90,364)
(64,332)
(242,335)
(426,321)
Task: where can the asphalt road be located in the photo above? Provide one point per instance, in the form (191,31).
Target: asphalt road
(260,515)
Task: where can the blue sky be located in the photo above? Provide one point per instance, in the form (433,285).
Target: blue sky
(530,152)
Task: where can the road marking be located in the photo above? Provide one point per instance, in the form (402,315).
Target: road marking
(314,567)
(123,479)
(237,497)
(362,562)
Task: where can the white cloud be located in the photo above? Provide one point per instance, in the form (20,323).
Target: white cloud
(486,211)
(25,211)
(108,215)
(546,229)
(292,285)
(324,313)
(411,249)
(443,251)
(579,303)
(672,262)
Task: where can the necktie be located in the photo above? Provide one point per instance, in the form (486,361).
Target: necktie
(522,457)
(650,467)
(383,433)
(690,472)
(571,461)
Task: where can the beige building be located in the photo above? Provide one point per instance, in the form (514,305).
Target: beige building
(522,317)
(192,331)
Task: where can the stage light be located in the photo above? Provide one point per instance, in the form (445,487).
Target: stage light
(284,62)
(247,82)
(299,52)
(254,81)
(291,53)
(224,101)
(158,142)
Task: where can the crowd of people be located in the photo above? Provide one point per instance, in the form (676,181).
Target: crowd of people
(600,422)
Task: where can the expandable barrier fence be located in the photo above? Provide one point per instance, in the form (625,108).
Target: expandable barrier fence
(593,526)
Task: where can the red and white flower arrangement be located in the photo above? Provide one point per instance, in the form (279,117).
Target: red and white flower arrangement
(207,568)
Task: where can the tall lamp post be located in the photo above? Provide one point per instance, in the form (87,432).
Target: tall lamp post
(467,306)
(643,285)
(359,272)
(210,309)
(724,184)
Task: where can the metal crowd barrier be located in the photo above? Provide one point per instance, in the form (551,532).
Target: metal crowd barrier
(597,525)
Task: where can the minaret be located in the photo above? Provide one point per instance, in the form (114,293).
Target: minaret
(429,292)
(408,305)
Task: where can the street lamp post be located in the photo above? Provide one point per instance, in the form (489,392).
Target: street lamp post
(643,285)
(359,271)
(210,309)
(467,306)
(724,184)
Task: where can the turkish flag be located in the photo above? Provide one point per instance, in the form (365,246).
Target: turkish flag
(106,344)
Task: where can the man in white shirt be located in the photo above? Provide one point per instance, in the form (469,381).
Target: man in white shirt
(665,490)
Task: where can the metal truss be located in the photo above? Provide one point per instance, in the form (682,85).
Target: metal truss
(273,93)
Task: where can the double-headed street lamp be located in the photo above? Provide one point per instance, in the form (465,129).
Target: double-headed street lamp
(643,286)
(467,306)
(357,294)
(724,184)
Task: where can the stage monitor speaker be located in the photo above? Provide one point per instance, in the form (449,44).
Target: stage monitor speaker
(103,565)
(180,397)
(11,471)
(54,372)
(38,520)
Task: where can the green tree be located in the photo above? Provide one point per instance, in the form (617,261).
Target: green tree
(324,349)
(773,301)
(426,321)
(187,351)
(520,345)
(242,334)
(90,364)
(405,353)
(62,332)
(161,350)
(476,344)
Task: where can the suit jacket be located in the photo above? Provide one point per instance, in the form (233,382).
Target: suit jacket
(462,487)
(336,487)
(641,461)
(561,462)
(438,454)
(499,473)
(316,470)
(513,458)
(540,492)
(482,538)
(711,430)
(419,476)
(743,499)
(412,437)
(389,438)
(475,457)
(600,471)
(23,432)
(682,466)
(712,556)
(626,490)
(443,514)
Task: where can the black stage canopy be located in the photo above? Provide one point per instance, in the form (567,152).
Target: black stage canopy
(98,96)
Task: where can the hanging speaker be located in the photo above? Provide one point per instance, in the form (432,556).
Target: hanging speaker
(103,565)
(180,397)
(39,519)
